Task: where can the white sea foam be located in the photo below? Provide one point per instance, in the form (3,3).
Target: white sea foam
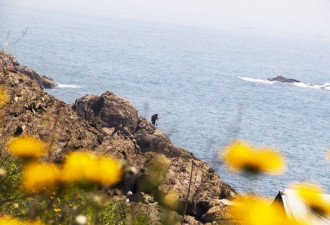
(326,86)
(68,86)
(249,79)
(306,85)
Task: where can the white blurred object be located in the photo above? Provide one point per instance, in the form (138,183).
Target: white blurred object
(81,219)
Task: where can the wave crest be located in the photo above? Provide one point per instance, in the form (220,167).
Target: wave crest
(68,86)
(249,79)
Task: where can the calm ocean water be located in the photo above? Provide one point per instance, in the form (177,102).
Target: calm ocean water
(199,80)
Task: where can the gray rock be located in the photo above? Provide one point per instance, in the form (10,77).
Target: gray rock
(283,79)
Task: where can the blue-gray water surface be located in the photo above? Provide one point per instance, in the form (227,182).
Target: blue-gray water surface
(190,77)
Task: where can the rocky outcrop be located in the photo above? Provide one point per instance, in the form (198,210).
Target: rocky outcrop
(149,138)
(9,62)
(48,82)
(283,79)
(110,125)
(33,111)
(107,110)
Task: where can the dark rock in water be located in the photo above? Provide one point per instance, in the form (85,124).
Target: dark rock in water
(48,82)
(283,79)
(9,62)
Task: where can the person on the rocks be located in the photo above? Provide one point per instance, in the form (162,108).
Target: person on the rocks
(154,118)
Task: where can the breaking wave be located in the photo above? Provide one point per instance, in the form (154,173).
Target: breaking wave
(256,80)
(68,86)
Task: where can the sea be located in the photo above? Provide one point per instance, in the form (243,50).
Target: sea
(208,86)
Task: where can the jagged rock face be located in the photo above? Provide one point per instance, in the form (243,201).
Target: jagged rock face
(149,138)
(9,62)
(32,111)
(108,110)
(283,79)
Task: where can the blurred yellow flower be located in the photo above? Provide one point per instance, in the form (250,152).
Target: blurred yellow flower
(252,210)
(86,167)
(26,146)
(110,171)
(240,156)
(312,195)
(7,220)
(57,210)
(4,97)
(40,177)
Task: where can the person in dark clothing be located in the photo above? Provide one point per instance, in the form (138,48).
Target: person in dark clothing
(154,118)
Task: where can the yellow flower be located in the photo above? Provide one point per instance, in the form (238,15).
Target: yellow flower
(313,196)
(26,146)
(110,171)
(40,177)
(252,210)
(57,210)
(4,97)
(86,167)
(7,220)
(240,156)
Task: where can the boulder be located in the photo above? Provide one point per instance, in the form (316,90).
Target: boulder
(9,62)
(283,79)
(108,110)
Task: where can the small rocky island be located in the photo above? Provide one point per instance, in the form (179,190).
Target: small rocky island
(283,79)
(111,125)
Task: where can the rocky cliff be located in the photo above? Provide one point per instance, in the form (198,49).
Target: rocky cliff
(9,62)
(109,124)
